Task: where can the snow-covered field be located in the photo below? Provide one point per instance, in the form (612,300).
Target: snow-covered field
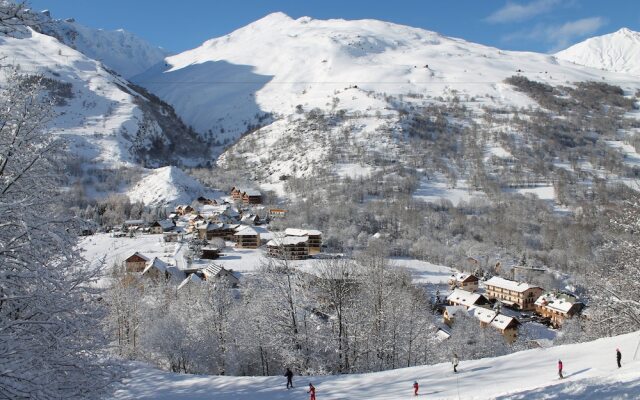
(589,368)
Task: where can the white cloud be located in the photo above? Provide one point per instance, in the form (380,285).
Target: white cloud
(514,12)
(560,36)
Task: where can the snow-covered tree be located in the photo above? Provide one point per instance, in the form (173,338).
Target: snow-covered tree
(51,339)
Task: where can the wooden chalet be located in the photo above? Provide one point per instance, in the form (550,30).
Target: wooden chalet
(466,299)
(136,262)
(209,230)
(247,238)
(558,307)
(162,226)
(463,281)
(252,196)
(506,325)
(289,248)
(184,209)
(518,295)
(204,200)
(246,196)
(157,270)
(314,236)
(211,273)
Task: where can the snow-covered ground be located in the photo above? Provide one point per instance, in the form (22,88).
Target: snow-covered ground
(437,188)
(589,368)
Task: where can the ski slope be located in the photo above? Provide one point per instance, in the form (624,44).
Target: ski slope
(590,373)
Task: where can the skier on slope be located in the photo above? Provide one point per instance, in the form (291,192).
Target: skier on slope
(415,388)
(312,392)
(619,357)
(455,362)
(560,369)
(289,376)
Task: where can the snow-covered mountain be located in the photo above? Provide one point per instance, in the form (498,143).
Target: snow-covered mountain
(168,186)
(618,51)
(108,121)
(589,368)
(267,74)
(119,50)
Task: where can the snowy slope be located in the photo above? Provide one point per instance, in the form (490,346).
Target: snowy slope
(168,186)
(120,51)
(108,122)
(590,373)
(618,51)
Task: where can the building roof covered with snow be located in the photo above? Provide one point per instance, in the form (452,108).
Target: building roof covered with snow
(514,286)
(465,298)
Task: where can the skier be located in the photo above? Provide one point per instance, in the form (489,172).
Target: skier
(415,388)
(618,357)
(289,376)
(560,369)
(455,362)
(312,392)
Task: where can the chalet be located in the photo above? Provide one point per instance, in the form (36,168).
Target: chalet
(159,227)
(250,219)
(184,209)
(450,312)
(209,253)
(252,197)
(463,281)
(210,230)
(558,307)
(211,273)
(236,193)
(215,272)
(157,269)
(518,295)
(467,299)
(314,236)
(289,248)
(136,262)
(507,326)
(247,238)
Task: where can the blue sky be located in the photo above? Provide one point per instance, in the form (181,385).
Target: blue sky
(536,25)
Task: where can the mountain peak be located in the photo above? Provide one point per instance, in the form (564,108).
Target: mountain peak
(618,52)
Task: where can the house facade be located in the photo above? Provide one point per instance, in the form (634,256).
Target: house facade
(314,238)
(466,299)
(289,248)
(558,307)
(247,238)
(136,262)
(464,281)
(519,295)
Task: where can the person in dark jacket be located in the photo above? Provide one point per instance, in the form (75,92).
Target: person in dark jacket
(289,376)
(560,369)
(415,388)
(619,357)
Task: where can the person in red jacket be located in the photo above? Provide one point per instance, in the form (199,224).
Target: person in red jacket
(415,388)
(312,392)
(560,369)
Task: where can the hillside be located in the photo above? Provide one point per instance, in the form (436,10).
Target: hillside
(168,186)
(618,51)
(108,122)
(590,373)
(336,81)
